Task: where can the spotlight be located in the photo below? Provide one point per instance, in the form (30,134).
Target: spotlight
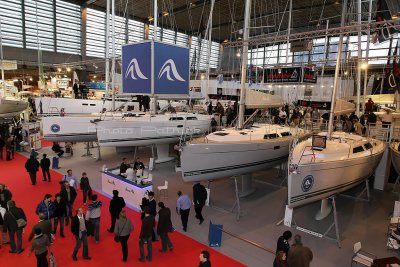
(364,65)
(95,66)
(150,18)
(68,69)
(165,13)
(94,76)
(59,69)
(346,73)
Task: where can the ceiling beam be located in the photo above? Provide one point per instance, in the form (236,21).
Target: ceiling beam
(89,2)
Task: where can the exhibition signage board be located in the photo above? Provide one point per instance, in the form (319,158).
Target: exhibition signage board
(314,104)
(8,65)
(290,75)
(155,68)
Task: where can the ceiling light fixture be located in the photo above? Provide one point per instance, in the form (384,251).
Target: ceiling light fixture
(68,69)
(59,69)
(150,18)
(165,13)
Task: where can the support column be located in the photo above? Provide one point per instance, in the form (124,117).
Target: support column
(83,33)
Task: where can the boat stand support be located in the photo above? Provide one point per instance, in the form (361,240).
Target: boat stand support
(359,196)
(98,152)
(325,234)
(396,184)
(163,153)
(236,206)
(88,154)
(247,188)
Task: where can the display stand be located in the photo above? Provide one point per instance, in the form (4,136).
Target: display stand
(31,132)
(291,222)
(163,153)
(359,196)
(324,211)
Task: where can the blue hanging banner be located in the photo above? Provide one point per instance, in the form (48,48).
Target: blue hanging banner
(171,69)
(136,68)
(155,68)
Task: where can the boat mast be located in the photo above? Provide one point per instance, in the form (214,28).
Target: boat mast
(209,26)
(337,69)
(244,64)
(325,48)
(359,59)
(113,53)
(367,55)
(2,66)
(288,30)
(107,68)
(155,38)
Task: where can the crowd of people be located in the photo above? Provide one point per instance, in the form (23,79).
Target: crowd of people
(295,255)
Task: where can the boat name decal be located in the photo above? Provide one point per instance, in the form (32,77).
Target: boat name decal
(307,183)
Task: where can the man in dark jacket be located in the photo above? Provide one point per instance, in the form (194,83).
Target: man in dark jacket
(152,204)
(283,242)
(79,228)
(32,167)
(46,207)
(116,205)
(146,233)
(45,165)
(2,144)
(68,195)
(5,196)
(44,225)
(60,211)
(199,199)
(10,225)
(76,89)
(164,226)
(299,256)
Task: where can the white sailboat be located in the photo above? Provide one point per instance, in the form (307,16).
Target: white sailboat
(331,162)
(239,151)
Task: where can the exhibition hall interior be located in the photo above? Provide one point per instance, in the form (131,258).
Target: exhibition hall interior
(200,133)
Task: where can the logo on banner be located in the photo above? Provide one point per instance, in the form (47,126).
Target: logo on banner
(133,68)
(168,67)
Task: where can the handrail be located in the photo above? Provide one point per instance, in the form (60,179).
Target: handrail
(247,241)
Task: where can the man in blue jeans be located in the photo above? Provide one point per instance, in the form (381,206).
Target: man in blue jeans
(93,215)
(146,233)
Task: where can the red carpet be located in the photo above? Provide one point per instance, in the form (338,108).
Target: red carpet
(107,252)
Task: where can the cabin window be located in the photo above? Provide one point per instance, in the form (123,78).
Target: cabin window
(221,134)
(176,119)
(367,145)
(85,104)
(286,134)
(243,133)
(191,118)
(358,149)
(271,136)
(92,105)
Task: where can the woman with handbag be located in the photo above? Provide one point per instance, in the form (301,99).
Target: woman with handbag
(122,230)
(14,221)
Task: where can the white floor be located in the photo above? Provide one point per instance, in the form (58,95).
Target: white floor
(358,221)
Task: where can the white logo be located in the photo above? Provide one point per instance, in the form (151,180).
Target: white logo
(169,66)
(133,68)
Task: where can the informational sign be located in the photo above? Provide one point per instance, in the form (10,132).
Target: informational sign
(314,104)
(171,69)
(155,68)
(8,65)
(288,216)
(96,85)
(283,75)
(309,75)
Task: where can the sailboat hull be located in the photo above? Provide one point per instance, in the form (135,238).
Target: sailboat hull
(395,156)
(210,161)
(10,108)
(149,131)
(310,182)
(69,129)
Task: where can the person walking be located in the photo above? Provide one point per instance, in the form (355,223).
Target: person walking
(299,255)
(10,225)
(32,167)
(123,229)
(44,225)
(183,209)
(60,211)
(45,166)
(46,207)
(145,236)
(283,242)
(85,187)
(199,200)
(152,204)
(79,230)
(205,259)
(93,215)
(40,245)
(164,226)
(68,195)
(5,195)
(2,144)
(116,205)
(71,179)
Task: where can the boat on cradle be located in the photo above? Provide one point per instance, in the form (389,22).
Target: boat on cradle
(150,129)
(320,167)
(395,155)
(232,152)
(10,107)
